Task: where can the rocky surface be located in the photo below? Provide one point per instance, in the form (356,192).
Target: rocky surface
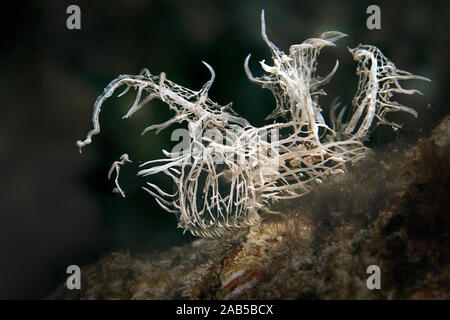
(391,210)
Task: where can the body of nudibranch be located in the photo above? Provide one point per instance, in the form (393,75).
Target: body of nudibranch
(224,184)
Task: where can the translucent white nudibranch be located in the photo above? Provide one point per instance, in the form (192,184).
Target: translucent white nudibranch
(218,185)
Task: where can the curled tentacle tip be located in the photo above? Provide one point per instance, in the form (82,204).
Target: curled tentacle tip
(80,145)
(213,74)
(208,66)
(83,143)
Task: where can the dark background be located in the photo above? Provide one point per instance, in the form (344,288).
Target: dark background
(57,207)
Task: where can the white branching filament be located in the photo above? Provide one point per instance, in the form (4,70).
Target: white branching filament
(116,166)
(220,185)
